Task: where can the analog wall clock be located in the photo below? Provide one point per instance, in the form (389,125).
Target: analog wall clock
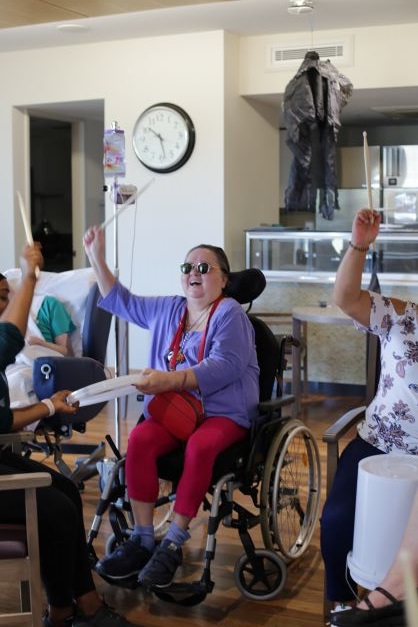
(163,137)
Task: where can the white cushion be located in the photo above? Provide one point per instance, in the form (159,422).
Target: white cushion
(71,288)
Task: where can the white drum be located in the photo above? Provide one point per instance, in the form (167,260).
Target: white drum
(386,489)
(105,390)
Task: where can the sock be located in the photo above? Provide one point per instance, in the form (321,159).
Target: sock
(146,533)
(176,534)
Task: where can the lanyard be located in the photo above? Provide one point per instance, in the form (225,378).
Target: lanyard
(175,343)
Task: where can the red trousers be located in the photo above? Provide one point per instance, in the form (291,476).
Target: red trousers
(149,440)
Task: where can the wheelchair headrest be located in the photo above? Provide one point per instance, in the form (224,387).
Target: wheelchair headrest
(246,285)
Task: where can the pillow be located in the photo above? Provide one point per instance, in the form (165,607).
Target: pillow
(70,287)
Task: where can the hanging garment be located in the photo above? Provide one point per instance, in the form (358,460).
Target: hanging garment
(312,104)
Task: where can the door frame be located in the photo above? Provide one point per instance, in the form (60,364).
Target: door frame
(21,172)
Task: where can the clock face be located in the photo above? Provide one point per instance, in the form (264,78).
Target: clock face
(163,137)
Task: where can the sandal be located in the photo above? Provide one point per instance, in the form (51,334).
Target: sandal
(392,615)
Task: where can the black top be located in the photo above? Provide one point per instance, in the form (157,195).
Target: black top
(11,343)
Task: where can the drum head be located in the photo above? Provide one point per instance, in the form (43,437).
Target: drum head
(105,390)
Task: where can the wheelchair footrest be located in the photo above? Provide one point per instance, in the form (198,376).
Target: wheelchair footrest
(131,583)
(184,593)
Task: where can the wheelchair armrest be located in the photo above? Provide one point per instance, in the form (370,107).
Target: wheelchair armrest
(332,437)
(273,404)
(343,424)
(20,481)
(15,440)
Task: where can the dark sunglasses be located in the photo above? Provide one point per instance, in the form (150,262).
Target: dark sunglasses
(202,267)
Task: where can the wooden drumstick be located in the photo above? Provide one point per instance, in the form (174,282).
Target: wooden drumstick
(26,224)
(367,169)
(126,204)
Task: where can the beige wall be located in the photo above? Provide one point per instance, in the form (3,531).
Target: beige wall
(382,57)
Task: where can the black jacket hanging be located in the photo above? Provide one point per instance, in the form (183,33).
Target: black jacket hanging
(312,104)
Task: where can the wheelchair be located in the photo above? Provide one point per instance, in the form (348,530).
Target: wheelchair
(277,469)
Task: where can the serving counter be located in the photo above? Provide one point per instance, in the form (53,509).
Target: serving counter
(300,268)
(314,256)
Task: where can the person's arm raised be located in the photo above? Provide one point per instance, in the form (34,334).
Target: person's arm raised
(17,311)
(94,245)
(348,293)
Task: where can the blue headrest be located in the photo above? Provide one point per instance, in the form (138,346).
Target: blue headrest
(246,285)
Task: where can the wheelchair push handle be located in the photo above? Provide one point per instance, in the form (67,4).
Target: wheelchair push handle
(113,447)
(292,341)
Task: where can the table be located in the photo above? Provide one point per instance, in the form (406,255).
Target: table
(300,317)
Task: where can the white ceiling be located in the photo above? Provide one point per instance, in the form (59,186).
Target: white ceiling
(147,18)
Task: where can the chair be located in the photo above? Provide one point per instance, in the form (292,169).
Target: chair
(336,431)
(277,469)
(19,551)
(334,434)
(78,290)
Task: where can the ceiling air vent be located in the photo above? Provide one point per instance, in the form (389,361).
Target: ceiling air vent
(288,57)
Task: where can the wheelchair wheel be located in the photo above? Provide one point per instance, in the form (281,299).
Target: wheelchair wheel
(263,580)
(290,490)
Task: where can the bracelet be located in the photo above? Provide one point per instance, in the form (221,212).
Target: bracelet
(50,405)
(361,249)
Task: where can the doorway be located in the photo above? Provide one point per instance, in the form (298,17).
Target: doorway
(51,191)
(64,180)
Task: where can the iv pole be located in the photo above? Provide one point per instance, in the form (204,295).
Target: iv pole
(116,160)
(117,322)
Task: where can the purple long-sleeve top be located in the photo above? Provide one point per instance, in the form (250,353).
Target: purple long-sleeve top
(228,374)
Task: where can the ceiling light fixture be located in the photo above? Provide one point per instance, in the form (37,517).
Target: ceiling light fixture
(72,28)
(297,7)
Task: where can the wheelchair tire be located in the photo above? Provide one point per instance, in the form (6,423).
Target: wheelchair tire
(263,585)
(290,490)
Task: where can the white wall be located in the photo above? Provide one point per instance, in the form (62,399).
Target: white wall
(251,159)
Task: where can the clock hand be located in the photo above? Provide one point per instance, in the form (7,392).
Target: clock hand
(160,138)
(162,145)
(155,133)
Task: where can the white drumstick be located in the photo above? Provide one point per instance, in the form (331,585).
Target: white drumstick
(105,390)
(26,224)
(25,220)
(126,204)
(367,169)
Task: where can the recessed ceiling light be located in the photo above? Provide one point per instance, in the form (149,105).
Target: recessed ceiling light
(297,7)
(72,28)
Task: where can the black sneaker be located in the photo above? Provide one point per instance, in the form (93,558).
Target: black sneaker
(105,617)
(126,560)
(162,567)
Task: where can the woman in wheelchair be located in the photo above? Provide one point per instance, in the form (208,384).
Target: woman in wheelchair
(65,567)
(202,343)
(390,423)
